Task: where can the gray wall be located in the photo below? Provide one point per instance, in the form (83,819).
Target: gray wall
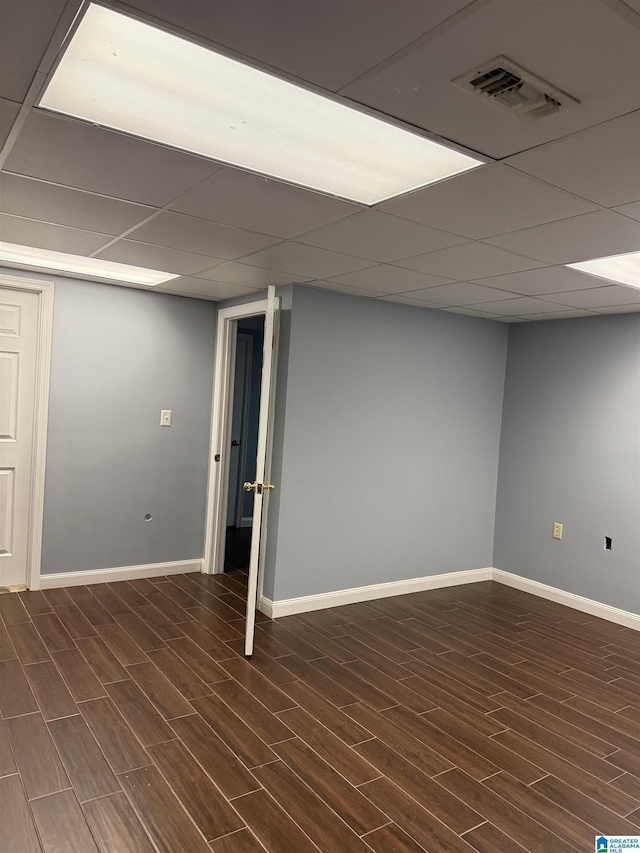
(570,452)
(120,356)
(387,444)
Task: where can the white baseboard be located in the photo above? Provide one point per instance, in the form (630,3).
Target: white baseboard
(246,521)
(569,599)
(290,606)
(304,604)
(265,605)
(124,573)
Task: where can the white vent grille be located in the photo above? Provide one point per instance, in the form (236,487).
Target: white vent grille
(514,89)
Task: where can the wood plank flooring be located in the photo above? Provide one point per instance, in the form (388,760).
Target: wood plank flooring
(475,718)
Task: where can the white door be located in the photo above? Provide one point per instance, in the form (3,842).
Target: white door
(18,365)
(262,487)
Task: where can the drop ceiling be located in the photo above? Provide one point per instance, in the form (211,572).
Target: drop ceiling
(490,243)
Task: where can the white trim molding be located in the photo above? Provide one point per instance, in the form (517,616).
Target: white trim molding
(569,599)
(289,606)
(123,573)
(217,489)
(44,291)
(306,603)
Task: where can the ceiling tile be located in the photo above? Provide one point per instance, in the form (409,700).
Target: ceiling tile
(200,236)
(469,261)
(20,56)
(632,210)
(408,300)
(584,47)
(326,43)
(486,201)
(64,206)
(8,113)
(390,279)
(542,281)
(157,257)
(43,235)
(213,290)
(92,158)
(341,288)
(601,163)
(261,204)
(598,297)
(307,261)
(462,293)
(593,235)
(246,276)
(521,306)
(379,237)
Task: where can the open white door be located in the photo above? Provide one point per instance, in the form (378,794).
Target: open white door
(221,443)
(262,487)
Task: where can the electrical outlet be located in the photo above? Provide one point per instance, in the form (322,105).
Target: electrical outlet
(557,530)
(165,417)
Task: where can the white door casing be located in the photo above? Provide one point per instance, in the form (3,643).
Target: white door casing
(25,345)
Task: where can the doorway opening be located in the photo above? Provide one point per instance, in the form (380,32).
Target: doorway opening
(245,414)
(220,508)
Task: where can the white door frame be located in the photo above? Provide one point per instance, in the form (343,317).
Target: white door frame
(220,430)
(44,290)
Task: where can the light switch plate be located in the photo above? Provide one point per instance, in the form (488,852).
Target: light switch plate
(557,530)
(165,417)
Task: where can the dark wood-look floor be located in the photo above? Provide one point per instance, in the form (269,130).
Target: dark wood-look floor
(475,718)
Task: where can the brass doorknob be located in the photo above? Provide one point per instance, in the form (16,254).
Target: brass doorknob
(258,488)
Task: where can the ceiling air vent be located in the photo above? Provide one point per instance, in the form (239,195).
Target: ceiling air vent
(514,89)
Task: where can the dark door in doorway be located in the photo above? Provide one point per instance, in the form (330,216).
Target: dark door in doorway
(246,404)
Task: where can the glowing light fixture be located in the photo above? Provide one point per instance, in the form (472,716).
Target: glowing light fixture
(623,269)
(128,75)
(29,256)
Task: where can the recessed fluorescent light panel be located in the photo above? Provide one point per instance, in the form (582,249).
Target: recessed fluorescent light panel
(12,253)
(624,269)
(125,74)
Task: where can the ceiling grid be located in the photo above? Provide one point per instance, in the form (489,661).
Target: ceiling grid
(492,242)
